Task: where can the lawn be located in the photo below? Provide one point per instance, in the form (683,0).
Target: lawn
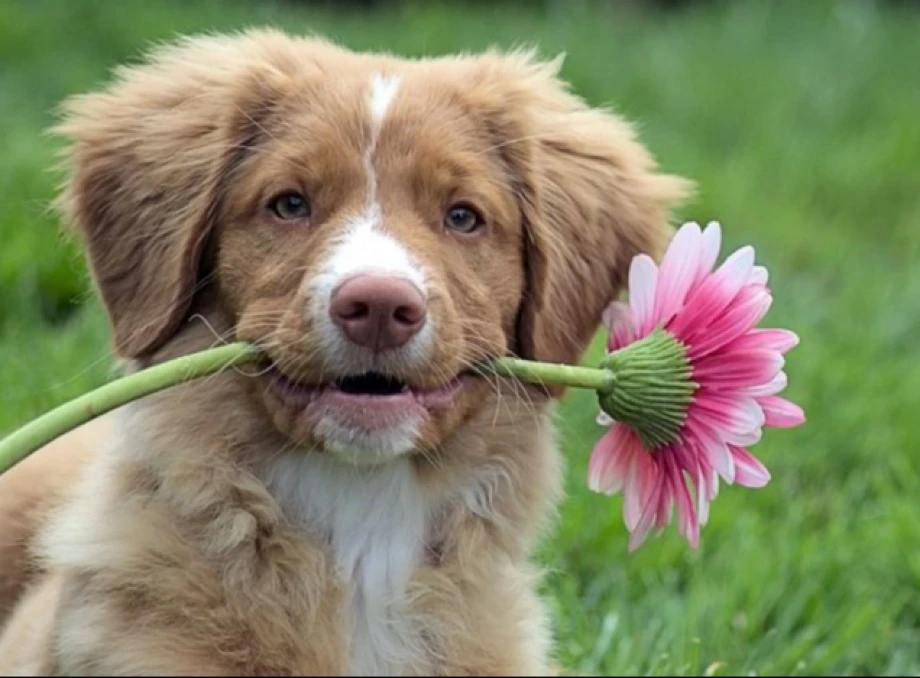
(801,123)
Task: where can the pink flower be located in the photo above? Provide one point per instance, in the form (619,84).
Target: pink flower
(736,374)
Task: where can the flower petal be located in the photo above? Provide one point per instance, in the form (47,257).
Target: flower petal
(780,413)
(726,412)
(749,472)
(604,419)
(610,460)
(709,252)
(772,387)
(618,318)
(639,486)
(737,369)
(748,309)
(687,517)
(707,487)
(771,339)
(743,439)
(643,279)
(677,271)
(712,449)
(759,276)
(713,295)
(646,521)
(665,508)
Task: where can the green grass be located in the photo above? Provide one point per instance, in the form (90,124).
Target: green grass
(801,123)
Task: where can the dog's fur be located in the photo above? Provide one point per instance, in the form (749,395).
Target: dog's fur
(213,529)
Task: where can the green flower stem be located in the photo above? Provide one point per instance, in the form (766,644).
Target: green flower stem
(21,443)
(552,373)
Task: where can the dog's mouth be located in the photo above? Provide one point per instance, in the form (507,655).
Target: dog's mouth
(367,389)
(363,416)
(371,384)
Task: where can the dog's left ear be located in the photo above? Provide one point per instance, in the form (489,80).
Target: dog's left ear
(147,158)
(591,199)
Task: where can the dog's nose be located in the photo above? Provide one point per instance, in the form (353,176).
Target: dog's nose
(378,311)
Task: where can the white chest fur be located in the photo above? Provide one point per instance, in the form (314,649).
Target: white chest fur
(375,518)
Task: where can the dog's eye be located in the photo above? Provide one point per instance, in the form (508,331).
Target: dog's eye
(463,219)
(290,206)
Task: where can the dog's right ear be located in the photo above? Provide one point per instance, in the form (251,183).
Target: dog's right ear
(591,196)
(146,160)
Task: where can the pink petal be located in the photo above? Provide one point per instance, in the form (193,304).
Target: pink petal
(688,520)
(640,483)
(743,438)
(643,279)
(720,459)
(612,313)
(618,319)
(658,494)
(702,507)
(610,460)
(713,295)
(780,413)
(772,387)
(706,480)
(738,369)
(759,276)
(707,487)
(749,472)
(749,309)
(677,271)
(665,509)
(774,340)
(709,252)
(712,449)
(685,455)
(726,412)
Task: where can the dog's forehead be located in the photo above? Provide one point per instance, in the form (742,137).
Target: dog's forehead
(368,97)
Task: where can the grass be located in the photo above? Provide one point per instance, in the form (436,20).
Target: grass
(800,123)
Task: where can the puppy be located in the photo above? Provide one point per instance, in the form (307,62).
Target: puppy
(362,502)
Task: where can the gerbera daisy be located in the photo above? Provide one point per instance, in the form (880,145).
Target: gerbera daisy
(718,387)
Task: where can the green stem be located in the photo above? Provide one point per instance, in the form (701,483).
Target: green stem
(21,443)
(552,373)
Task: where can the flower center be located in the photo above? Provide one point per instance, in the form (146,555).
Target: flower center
(652,389)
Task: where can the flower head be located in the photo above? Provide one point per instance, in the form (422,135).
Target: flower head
(717,391)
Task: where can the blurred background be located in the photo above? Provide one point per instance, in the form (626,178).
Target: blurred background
(800,121)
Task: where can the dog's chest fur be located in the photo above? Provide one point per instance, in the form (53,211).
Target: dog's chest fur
(375,520)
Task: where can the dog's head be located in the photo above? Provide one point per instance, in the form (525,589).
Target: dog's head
(378,225)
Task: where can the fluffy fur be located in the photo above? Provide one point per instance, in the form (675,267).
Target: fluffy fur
(217,529)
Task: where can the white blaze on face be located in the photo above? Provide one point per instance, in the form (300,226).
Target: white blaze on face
(383,90)
(364,246)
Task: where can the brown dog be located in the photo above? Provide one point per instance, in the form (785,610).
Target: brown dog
(362,502)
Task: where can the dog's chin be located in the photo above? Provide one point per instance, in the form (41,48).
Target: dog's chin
(361,419)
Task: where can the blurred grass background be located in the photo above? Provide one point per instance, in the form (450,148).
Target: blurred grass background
(801,123)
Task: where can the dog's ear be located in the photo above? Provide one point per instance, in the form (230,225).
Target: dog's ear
(591,198)
(145,163)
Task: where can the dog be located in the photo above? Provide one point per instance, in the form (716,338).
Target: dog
(364,500)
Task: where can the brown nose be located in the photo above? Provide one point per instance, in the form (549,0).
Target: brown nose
(378,311)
